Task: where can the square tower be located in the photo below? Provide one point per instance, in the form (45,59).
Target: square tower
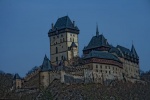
(63,38)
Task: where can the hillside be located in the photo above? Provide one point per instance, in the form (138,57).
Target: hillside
(118,91)
(59,91)
(5,84)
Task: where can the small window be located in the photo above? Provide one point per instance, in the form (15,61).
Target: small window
(60,40)
(101,66)
(61,35)
(106,71)
(56,50)
(62,46)
(96,66)
(58,36)
(63,39)
(73,35)
(57,59)
(106,67)
(70,34)
(70,39)
(62,57)
(53,37)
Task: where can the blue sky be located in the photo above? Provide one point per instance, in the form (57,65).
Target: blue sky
(24,26)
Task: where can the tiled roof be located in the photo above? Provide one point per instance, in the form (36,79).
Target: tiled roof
(16,76)
(64,22)
(46,66)
(102,54)
(115,50)
(127,53)
(97,41)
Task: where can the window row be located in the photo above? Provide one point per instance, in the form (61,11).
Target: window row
(62,58)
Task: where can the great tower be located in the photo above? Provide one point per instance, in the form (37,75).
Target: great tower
(63,38)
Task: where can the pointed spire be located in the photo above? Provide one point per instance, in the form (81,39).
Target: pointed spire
(97,32)
(45,57)
(134,51)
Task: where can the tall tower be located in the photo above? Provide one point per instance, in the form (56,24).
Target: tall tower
(63,38)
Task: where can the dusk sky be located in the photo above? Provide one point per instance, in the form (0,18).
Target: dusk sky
(24,27)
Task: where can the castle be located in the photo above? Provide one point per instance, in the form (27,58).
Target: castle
(100,63)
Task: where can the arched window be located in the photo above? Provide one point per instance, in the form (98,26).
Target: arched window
(56,50)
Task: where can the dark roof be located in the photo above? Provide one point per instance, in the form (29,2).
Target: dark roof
(127,53)
(73,45)
(115,50)
(46,66)
(124,50)
(134,52)
(101,54)
(97,41)
(64,22)
(16,76)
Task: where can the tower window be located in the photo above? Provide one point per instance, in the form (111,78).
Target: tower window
(63,39)
(62,57)
(96,66)
(56,50)
(70,39)
(101,66)
(53,37)
(57,60)
(58,36)
(61,35)
(60,40)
